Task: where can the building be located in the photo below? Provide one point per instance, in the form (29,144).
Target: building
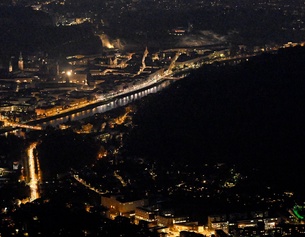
(145,214)
(253,223)
(20,62)
(187,226)
(10,66)
(169,219)
(122,206)
(218,221)
(48,110)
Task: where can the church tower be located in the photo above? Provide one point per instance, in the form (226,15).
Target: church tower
(20,62)
(10,66)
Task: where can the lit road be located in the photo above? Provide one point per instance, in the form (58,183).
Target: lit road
(119,177)
(84,183)
(32,176)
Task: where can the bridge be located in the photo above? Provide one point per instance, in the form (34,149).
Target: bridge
(20,125)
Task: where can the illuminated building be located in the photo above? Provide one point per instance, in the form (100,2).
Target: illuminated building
(169,219)
(271,223)
(178,31)
(76,101)
(120,206)
(217,221)
(20,62)
(78,78)
(10,67)
(187,226)
(145,213)
(47,110)
(16,165)
(253,223)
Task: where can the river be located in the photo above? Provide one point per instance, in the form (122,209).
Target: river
(107,106)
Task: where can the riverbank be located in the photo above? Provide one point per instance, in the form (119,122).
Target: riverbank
(105,105)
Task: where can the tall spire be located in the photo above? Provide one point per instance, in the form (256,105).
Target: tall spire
(20,62)
(10,66)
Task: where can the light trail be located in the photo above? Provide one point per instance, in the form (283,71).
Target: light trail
(33,177)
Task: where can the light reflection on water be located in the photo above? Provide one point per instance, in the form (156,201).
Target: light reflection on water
(106,107)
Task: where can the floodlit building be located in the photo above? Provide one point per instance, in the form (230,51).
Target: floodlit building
(20,62)
(145,213)
(169,219)
(122,206)
(218,222)
(187,226)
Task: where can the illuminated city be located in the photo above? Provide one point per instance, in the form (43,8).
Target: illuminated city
(150,118)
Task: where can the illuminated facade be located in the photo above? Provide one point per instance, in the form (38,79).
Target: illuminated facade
(20,62)
(217,221)
(243,222)
(119,206)
(146,214)
(169,220)
(78,78)
(49,110)
(189,226)
(10,66)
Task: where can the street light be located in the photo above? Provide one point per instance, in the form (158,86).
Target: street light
(69,73)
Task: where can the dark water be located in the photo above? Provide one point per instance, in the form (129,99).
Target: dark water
(107,106)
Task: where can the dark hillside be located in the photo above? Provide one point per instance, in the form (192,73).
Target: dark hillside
(252,115)
(29,31)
